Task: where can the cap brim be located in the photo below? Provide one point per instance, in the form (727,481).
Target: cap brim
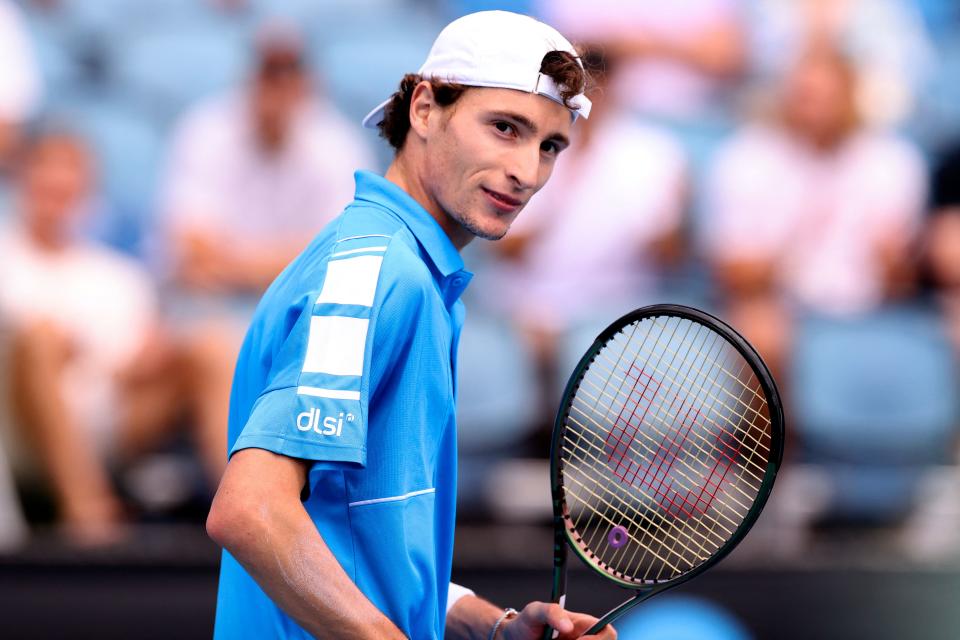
(375,117)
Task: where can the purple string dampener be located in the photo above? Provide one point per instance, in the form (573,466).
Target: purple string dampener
(617,537)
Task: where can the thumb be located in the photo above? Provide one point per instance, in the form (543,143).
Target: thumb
(557,618)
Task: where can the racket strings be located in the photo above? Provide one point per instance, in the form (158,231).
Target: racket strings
(624,519)
(666,540)
(763,427)
(717,496)
(657,489)
(752,388)
(683,460)
(735,378)
(659,530)
(656,529)
(703,544)
(690,536)
(742,415)
(620,358)
(730,520)
(706,416)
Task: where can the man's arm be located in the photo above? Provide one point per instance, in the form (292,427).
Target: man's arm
(257,516)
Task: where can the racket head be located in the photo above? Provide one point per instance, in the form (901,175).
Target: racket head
(658,481)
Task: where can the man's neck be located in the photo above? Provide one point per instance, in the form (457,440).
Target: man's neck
(47,241)
(404,176)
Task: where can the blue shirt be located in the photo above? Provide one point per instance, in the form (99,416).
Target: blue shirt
(350,363)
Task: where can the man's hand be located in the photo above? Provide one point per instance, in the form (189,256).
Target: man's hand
(531,622)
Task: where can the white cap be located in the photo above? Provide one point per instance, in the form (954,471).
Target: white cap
(495,49)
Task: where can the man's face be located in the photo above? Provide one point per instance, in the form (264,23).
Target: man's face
(488,153)
(56,177)
(819,100)
(279,91)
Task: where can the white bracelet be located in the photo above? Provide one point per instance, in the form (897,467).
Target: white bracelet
(508,614)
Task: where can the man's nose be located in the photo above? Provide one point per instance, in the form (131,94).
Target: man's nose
(524,168)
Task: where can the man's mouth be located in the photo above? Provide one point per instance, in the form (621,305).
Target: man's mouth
(502,201)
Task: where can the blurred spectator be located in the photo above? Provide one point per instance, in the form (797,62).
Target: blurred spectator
(91,383)
(811,209)
(252,176)
(886,40)
(19,81)
(594,241)
(942,241)
(679,55)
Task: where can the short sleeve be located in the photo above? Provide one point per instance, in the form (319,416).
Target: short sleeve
(316,404)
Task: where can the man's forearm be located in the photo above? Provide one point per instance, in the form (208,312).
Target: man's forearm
(471,618)
(296,569)
(277,543)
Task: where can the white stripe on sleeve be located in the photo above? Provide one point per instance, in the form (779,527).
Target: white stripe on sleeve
(336,394)
(336,345)
(360,250)
(351,281)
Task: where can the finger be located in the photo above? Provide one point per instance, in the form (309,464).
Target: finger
(583,623)
(552,615)
(606,633)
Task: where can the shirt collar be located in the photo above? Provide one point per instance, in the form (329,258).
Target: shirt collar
(431,236)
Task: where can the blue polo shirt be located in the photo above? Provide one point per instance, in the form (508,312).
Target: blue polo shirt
(350,363)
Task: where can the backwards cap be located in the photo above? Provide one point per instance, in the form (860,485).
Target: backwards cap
(495,49)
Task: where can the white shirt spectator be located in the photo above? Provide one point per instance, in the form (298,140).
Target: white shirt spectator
(589,226)
(655,85)
(219,180)
(103,301)
(19,80)
(819,217)
(20,87)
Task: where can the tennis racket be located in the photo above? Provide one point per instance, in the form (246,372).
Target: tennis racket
(664,451)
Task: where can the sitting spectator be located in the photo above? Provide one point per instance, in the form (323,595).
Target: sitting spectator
(252,176)
(91,381)
(593,243)
(811,210)
(19,82)
(887,40)
(678,57)
(942,242)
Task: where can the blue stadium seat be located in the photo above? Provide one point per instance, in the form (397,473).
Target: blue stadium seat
(56,57)
(496,393)
(457,8)
(117,19)
(363,60)
(875,403)
(165,71)
(680,618)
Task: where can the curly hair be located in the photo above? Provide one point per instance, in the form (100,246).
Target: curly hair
(563,67)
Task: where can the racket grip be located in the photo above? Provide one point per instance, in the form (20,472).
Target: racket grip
(549,633)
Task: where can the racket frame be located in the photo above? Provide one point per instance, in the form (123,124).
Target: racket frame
(563,535)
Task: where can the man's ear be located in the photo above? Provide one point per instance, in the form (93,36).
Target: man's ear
(422,104)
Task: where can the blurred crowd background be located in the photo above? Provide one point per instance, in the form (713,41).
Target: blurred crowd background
(792,166)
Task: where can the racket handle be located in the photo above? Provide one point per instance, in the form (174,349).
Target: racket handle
(550,633)
(615,613)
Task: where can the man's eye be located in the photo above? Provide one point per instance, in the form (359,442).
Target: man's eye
(550,147)
(504,127)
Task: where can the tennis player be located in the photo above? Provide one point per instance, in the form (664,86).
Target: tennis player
(336,511)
